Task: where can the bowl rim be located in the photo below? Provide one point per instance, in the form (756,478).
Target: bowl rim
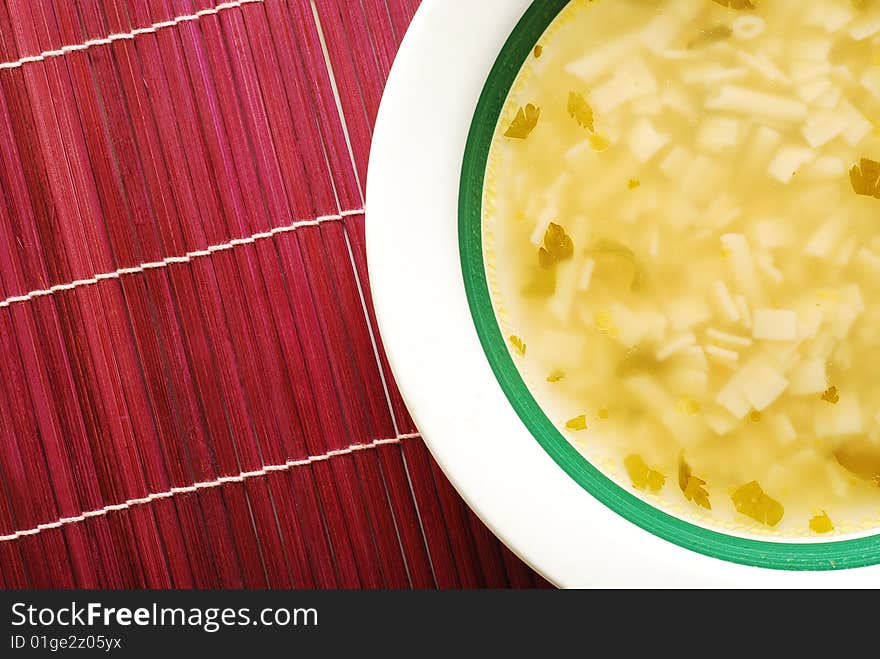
(436,355)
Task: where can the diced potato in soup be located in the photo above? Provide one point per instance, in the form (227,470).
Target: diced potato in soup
(682,222)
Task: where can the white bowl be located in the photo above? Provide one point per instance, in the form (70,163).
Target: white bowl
(555,512)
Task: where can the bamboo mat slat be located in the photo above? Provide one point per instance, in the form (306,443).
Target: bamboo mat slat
(193,393)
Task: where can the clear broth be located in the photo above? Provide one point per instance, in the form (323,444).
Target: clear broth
(717,307)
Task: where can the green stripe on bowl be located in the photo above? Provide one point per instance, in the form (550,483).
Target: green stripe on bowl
(815,556)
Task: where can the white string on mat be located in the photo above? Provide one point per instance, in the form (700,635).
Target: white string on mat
(152,29)
(382,376)
(186,258)
(207,485)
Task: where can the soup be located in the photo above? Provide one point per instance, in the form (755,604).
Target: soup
(682,235)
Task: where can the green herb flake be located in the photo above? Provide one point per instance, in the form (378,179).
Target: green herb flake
(577,424)
(865,178)
(558,247)
(518,345)
(831,395)
(580,111)
(642,476)
(751,501)
(524,122)
(556,376)
(821,523)
(693,488)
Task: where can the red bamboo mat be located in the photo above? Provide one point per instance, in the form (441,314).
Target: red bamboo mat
(192,389)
